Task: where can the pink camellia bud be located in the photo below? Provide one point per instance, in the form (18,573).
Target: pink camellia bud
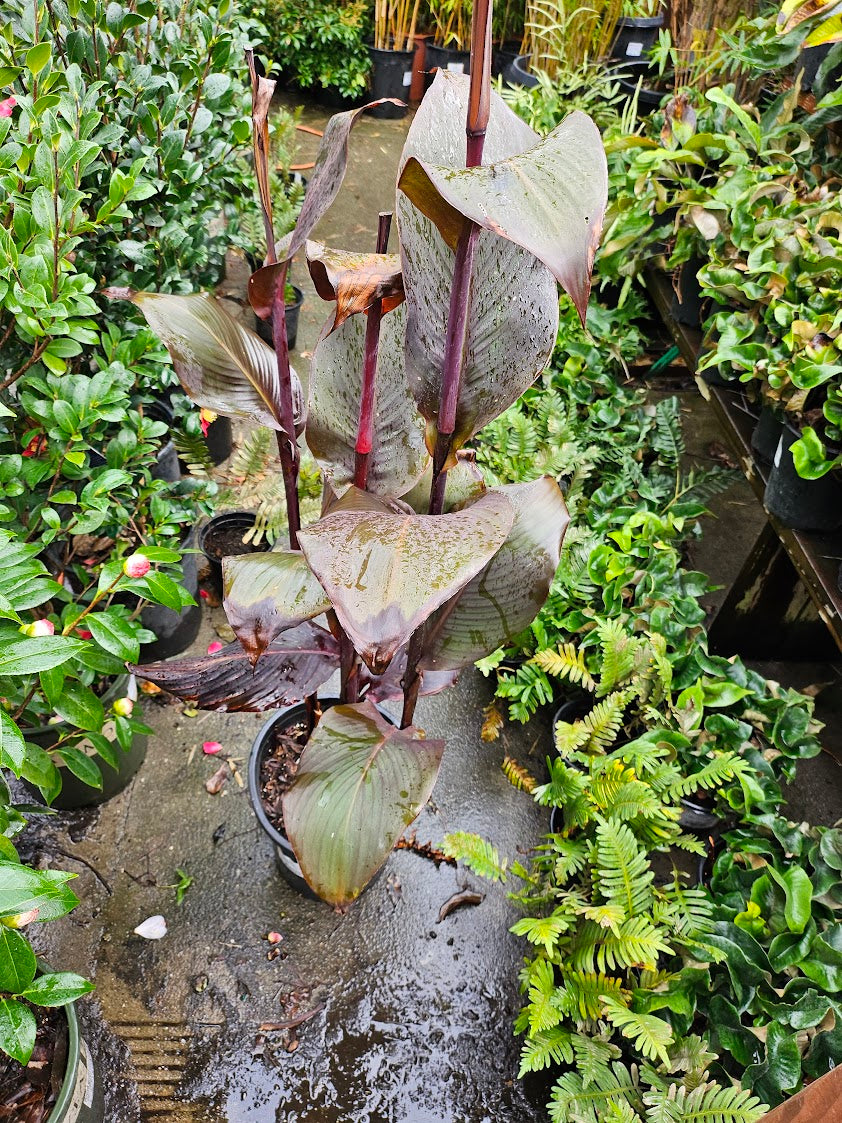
(274,937)
(39,628)
(123,707)
(7,106)
(214,647)
(137,565)
(19,919)
(83,633)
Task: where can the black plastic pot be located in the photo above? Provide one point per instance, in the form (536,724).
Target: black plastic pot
(521,73)
(686,305)
(220,439)
(766,434)
(801,504)
(391,76)
(80,1099)
(628,75)
(291,311)
(443,58)
(212,538)
(175,631)
(74,793)
(284,855)
(636,36)
(503,59)
(168,467)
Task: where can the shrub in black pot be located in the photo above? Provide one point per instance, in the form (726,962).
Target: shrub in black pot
(802,504)
(636,36)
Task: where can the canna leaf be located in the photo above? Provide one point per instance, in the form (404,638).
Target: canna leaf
(267,593)
(355,280)
(513,314)
(398,454)
(221,365)
(360,783)
(292,667)
(506,596)
(550,200)
(386,572)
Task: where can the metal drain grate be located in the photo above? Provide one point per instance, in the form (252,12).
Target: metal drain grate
(159,1053)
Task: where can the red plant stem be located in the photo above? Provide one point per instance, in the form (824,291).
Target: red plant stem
(365,426)
(479,105)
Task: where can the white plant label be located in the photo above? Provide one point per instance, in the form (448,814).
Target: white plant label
(456,67)
(634,50)
(407,77)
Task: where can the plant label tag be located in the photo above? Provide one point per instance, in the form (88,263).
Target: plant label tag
(407,77)
(779,452)
(634,50)
(456,67)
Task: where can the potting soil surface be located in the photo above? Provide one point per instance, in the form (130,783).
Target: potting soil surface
(400,1011)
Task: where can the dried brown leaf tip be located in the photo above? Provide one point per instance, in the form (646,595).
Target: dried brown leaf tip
(492,723)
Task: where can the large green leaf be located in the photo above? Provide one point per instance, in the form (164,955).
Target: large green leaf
(360,783)
(513,315)
(17,1030)
(57,989)
(17,961)
(23,889)
(398,455)
(267,593)
(12,747)
(386,572)
(222,365)
(549,200)
(293,666)
(30,655)
(506,596)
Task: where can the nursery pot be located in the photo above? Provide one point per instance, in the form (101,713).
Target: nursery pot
(798,503)
(175,631)
(521,74)
(443,58)
(391,76)
(74,793)
(220,439)
(628,75)
(503,59)
(636,36)
(222,537)
(291,311)
(80,1099)
(766,434)
(167,467)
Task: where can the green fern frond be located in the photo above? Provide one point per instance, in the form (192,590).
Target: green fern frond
(593,1054)
(623,872)
(541,1010)
(667,438)
(545,1048)
(605,721)
(572,857)
(620,1111)
(650,1035)
(543,931)
(608,915)
(570,736)
(618,655)
(714,774)
(477,854)
(565,662)
(193,450)
(252,457)
(690,1055)
(581,992)
(708,1103)
(572,1101)
(638,944)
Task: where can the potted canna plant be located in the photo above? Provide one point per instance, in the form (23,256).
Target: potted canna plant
(417,567)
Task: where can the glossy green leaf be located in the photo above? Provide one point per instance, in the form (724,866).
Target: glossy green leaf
(360,783)
(23,889)
(513,314)
(267,593)
(823,964)
(57,989)
(798,888)
(385,573)
(398,455)
(293,666)
(30,655)
(549,200)
(17,961)
(113,632)
(17,1030)
(780,1071)
(79,706)
(222,365)
(81,765)
(507,595)
(12,747)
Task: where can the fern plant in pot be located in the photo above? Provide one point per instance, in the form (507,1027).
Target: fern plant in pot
(416,566)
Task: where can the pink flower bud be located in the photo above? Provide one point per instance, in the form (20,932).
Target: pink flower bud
(39,628)
(204,594)
(274,937)
(83,633)
(211,748)
(123,707)
(214,647)
(19,919)
(137,565)
(7,106)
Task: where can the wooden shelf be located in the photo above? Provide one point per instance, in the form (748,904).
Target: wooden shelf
(816,557)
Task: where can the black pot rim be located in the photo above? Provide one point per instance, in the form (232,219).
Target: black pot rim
(245,518)
(390,52)
(640,21)
(457,52)
(299,298)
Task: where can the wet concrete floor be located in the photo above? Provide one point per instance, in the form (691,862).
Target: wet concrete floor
(410,1017)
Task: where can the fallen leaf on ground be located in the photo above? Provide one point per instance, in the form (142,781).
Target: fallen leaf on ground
(214,785)
(211,748)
